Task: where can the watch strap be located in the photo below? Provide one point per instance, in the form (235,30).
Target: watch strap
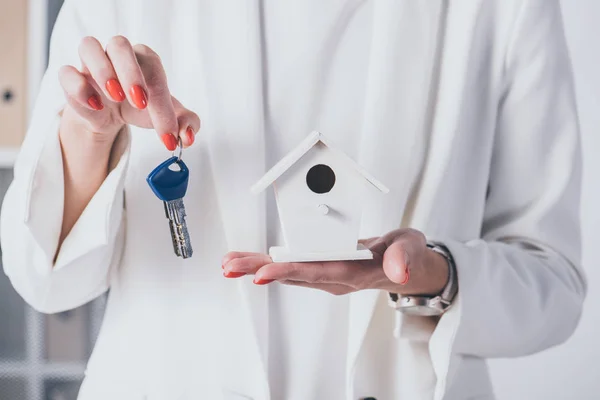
(430,305)
(451,288)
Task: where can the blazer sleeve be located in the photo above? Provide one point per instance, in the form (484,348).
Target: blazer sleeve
(32,209)
(521,287)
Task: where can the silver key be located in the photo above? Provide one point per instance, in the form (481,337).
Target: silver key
(175,212)
(170,186)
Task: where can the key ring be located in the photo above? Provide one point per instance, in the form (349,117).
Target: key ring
(180,144)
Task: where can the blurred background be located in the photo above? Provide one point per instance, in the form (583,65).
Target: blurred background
(42,357)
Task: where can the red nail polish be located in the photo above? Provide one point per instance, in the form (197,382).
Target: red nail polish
(406,276)
(95,102)
(138,96)
(189,133)
(229,274)
(115,90)
(169,141)
(262,281)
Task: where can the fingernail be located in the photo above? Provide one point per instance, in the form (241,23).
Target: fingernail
(169,141)
(138,96)
(405,266)
(189,133)
(95,102)
(406,276)
(230,274)
(262,281)
(115,90)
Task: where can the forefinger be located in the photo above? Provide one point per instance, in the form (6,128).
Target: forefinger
(160,103)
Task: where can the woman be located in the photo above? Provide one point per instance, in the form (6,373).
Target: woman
(464,109)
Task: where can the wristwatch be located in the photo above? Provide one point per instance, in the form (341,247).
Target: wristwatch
(428,306)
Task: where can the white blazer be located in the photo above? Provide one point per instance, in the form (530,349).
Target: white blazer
(487,82)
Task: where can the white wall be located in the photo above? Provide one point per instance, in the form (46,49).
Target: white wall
(572,371)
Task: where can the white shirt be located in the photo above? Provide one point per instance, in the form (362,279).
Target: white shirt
(308,329)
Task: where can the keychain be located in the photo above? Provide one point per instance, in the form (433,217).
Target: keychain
(170,186)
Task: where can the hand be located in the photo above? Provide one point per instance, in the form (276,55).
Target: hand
(98,102)
(402,264)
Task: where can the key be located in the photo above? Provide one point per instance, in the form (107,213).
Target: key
(170,187)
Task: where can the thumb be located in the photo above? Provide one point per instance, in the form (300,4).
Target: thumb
(397,260)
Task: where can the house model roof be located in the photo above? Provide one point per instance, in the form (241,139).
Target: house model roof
(292,157)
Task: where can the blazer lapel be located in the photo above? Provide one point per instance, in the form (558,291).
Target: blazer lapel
(401,90)
(230,36)
(449,113)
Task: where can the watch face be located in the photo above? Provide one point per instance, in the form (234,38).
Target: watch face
(421,311)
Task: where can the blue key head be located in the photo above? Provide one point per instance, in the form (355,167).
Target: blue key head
(167,184)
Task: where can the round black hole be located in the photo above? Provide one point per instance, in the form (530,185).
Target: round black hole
(320,178)
(7,95)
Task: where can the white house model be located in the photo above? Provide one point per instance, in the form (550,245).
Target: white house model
(320,193)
